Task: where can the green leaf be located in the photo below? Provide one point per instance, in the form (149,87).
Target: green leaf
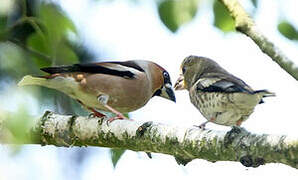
(66,55)
(174,13)
(12,61)
(39,44)
(17,123)
(222,18)
(53,42)
(288,30)
(116,155)
(3,25)
(57,24)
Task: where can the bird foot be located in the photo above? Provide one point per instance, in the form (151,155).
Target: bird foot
(95,114)
(118,117)
(202,126)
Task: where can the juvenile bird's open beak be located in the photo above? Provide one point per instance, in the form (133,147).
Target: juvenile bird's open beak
(167,92)
(180,85)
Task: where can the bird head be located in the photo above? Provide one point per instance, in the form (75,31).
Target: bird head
(162,83)
(191,69)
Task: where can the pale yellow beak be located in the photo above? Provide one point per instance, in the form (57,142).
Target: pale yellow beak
(180,85)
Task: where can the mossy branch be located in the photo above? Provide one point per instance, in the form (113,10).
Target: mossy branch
(245,24)
(185,144)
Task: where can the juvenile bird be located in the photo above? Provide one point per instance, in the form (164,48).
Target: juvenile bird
(220,97)
(117,87)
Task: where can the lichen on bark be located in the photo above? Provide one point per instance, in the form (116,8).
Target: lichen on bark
(185,144)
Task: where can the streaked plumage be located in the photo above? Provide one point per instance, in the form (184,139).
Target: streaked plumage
(119,87)
(220,97)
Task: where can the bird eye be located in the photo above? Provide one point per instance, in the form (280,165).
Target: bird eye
(183,70)
(165,74)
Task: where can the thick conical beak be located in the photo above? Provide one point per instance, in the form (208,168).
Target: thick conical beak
(180,85)
(167,92)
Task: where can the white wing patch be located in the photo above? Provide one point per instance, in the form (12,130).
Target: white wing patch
(206,82)
(119,67)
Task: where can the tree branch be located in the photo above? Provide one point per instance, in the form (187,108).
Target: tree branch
(185,144)
(245,24)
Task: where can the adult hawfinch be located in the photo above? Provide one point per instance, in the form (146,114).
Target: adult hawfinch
(117,87)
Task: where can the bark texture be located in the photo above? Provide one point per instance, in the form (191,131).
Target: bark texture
(185,144)
(245,24)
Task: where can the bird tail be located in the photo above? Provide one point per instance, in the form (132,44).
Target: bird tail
(66,85)
(30,80)
(45,81)
(264,93)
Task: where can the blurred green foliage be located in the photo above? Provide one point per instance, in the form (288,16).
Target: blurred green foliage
(174,13)
(37,34)
(222,18)
(40,37)
(53,41)
(288,30)
(16,123)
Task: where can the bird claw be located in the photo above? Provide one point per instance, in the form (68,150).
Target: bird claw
(117,117)
(202,126)
(96,114)
(91,115)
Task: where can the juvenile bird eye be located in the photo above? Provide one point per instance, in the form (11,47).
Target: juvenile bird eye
(183,70)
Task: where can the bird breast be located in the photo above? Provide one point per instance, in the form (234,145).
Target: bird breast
(223,108)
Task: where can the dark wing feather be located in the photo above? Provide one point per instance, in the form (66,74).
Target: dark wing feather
(222,82)
(60,69)
(102,68)
(223,86)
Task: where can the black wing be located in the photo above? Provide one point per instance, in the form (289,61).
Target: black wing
(121,70)
(223,86)
(223,83)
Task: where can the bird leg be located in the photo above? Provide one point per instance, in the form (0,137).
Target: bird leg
(239,122)
(119,115)
(103,99)
(96,113)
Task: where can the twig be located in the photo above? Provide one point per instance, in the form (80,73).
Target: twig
(245,24)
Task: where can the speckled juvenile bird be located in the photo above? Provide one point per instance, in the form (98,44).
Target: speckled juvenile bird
(220,97)
(117,87)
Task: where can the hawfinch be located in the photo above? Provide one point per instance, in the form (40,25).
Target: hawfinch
(117,87)
(220,97)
